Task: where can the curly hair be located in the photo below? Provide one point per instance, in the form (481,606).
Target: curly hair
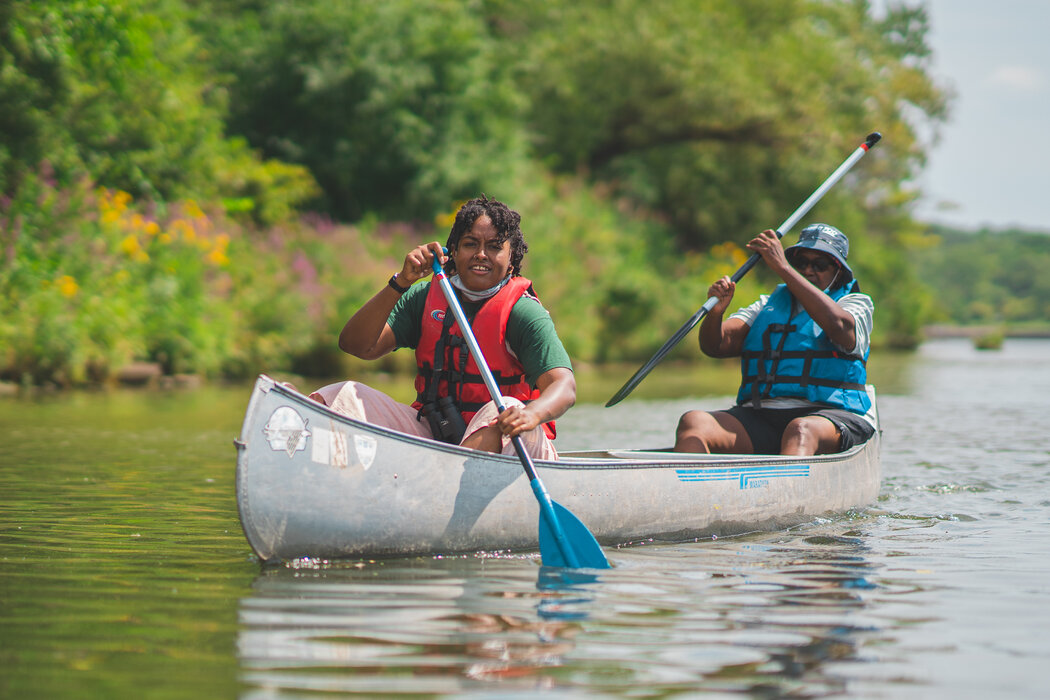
(505,220)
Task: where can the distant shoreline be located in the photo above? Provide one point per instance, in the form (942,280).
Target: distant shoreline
(935,331)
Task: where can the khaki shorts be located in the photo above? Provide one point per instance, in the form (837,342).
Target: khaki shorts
(364,403)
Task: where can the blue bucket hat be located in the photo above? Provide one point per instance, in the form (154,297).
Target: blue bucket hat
(826,239)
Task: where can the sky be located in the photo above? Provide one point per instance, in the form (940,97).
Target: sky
(990,166)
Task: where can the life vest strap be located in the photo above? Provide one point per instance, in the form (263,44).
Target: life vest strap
(768,379)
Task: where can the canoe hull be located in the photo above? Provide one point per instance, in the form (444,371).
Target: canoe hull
(312,483)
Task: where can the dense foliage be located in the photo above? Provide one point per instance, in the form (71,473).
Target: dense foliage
(305,145)
(989,277)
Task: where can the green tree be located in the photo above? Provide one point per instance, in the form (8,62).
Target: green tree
(398,108)
(119,91)
(988,276)
(113,89)
(720,114)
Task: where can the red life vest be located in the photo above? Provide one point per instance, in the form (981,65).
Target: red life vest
(439,332)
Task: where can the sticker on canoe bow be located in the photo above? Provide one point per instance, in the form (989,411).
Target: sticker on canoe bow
(286,431)
(749,477)
(366,449)
(329,447)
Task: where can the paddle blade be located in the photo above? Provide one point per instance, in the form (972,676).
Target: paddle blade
(660,354)
(588,552)
(631,383)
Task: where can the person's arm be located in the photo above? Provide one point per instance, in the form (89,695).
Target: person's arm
(366,334)
(557,395)
(532,337)
(835,321)
(718,337)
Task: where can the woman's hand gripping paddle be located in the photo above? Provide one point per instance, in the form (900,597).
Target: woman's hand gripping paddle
(564,540)
(636,379)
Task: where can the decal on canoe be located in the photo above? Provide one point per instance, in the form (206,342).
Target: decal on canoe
(329,447)
(286,431)
(332,447)
(366,447)
(748,477)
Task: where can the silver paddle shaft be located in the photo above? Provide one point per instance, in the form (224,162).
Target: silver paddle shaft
(472,343)
(803,209)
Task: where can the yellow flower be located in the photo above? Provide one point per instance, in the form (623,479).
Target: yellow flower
(130,245)
(193,210)
(121,199)
(68,286)
(445,221)
(152,228)
(133,249)
(218,257)
(183,228)
(112,204)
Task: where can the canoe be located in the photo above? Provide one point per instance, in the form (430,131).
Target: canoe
(313,483)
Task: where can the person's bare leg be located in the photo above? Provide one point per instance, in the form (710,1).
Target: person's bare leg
(810,435)
(481,436)
(719,432)
(489,439)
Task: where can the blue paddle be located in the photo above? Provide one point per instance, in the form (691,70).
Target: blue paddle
(564,540)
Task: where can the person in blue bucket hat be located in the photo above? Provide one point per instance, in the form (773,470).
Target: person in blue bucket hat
(803,351)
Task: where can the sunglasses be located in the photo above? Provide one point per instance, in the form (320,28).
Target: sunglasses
(819,264)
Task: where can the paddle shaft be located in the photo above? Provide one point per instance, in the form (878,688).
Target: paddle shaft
(542,495)
(803,209)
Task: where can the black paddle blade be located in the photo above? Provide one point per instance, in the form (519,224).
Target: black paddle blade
(655,359)
(634,381)
(588,552)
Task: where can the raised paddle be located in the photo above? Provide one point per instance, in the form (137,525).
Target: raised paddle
(636,379)
(564,540)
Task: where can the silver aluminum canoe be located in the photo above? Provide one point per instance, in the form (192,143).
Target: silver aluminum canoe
(313,483)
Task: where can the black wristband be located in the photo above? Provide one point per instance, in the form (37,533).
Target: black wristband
(395,286)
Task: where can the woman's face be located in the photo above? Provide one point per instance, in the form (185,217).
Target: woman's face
(481,261)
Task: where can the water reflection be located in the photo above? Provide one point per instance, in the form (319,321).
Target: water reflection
(123,570)
(418,625)
(767,614)
(569,598)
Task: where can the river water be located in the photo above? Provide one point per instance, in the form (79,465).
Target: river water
(124,572)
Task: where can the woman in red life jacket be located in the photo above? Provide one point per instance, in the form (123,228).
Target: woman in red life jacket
(515,333)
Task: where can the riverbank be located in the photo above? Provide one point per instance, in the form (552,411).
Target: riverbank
(595,383)
(937,331)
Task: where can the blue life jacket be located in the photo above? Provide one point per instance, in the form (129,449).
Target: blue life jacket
(788,354)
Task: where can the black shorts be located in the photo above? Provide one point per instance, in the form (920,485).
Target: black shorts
(765,426)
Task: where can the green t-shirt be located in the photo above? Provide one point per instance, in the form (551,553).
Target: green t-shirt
(530,330)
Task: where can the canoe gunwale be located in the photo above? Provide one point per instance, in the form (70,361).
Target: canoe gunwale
(616,458)
(422,496)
